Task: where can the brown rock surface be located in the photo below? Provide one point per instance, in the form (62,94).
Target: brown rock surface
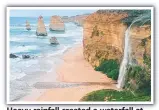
(104,36)
(141,43)
(41,30)
(56,24)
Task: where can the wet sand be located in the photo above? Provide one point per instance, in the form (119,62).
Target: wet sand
(76,70)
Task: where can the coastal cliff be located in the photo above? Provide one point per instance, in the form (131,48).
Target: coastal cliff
(104,36)
(118,44)
(140,43)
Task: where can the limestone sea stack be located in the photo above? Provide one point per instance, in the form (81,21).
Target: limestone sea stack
(53,40)
(79,19)
(41,30)
(56,24)
(28,26)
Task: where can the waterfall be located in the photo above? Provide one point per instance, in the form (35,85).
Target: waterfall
(127,53)
(123,67)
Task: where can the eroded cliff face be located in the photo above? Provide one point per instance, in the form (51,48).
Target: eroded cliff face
(56,24)
(140,43)
(104,35)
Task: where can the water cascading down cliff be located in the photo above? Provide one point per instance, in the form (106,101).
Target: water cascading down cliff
(127,52)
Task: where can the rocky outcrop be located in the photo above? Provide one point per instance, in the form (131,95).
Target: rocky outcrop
(140,43)
(41,30)
(79,20)
(104,35)
(53,40)
(28,26)
(56,24)
(25,56)
(13,56)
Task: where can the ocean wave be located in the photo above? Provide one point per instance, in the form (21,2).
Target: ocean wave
(68,33)
(59,52)
(23,38)
(16,75)
(17,49)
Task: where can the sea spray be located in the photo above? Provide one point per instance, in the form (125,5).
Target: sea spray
(127,52)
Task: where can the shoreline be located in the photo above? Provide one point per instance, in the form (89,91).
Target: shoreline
(73,70)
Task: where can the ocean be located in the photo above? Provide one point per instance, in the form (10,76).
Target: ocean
(44,56)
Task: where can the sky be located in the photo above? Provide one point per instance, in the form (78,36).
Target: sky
(36,13)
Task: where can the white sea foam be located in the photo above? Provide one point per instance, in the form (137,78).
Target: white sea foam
(17,49)
(59,52)
(67,34)
(16,75)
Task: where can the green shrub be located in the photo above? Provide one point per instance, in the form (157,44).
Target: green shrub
(109,67)
(95,32)
(133,14)
(143,42)
(142,79)
(114,95)
(147,60)
(101,33)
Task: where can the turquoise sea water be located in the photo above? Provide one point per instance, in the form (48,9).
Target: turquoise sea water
(44,57)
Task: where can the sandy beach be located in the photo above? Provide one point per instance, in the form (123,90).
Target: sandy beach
(74,70)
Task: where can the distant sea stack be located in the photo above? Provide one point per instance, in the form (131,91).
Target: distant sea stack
(41,30)
(28,26)
(53,40)
(78,19)
(56,24)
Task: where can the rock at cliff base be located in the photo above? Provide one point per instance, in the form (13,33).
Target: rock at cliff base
(13,56)
(41,30)
(53,40)
(56,24)
(25,56)
(28,26)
